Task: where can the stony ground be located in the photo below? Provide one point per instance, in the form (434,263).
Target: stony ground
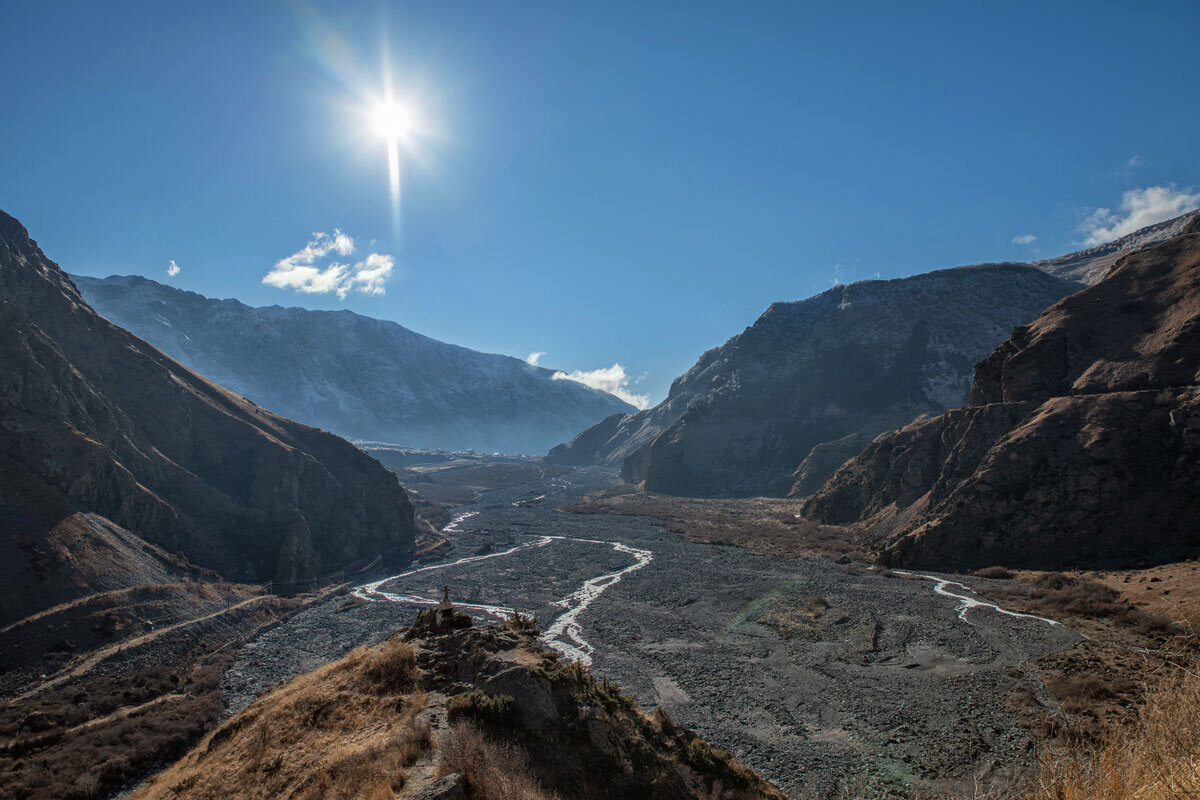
(820,675)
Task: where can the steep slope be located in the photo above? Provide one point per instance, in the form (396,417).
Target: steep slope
(356,376)
(452,713)
(777,408)
(1081,443)
(93,419)
(1091,265)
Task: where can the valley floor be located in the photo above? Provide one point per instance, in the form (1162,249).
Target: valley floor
(821,675)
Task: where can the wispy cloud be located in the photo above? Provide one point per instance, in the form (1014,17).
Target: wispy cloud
(314,269)
(533,358)
(1134,162)
(1139,208)
(172,268)
(1024,238)
(612,380)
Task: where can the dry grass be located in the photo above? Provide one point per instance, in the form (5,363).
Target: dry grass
(492,770)
(347,730)
(1158,759)
(764,525)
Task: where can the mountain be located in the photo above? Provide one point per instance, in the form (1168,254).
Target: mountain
(779,407)
(1081,443)
(1091,265)
(449,711)
(112,455)
(359,377)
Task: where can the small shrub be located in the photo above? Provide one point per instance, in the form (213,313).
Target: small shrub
(392,666)
(994,573)
(522,623)
(479,705)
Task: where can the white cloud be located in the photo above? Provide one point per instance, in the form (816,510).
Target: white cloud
(612,380)
(172,268)
(305,272)
(1134,162)
(1139,208)
(533,358)
(1024,238)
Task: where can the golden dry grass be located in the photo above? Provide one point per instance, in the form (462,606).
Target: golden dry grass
(1157,759)
(346,730)
(492,770)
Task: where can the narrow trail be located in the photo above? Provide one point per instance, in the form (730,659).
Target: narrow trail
(564,634)
(93,659)
(123,712)
(966,603)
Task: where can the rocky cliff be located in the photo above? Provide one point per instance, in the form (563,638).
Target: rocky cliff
(1081,444)
(359,377)
(780,406)
(95,420)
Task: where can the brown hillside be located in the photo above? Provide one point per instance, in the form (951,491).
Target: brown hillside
(1081,444)
(453,712)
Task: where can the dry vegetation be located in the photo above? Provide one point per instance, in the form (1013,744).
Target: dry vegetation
(491,769)
(765,525)
(85,741)
(100,716)
(347,730)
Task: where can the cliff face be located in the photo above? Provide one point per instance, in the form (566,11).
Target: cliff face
(779,407)
(1081,443)
(93,419)
(358,377)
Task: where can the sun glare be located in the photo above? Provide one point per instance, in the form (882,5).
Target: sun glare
(392,120)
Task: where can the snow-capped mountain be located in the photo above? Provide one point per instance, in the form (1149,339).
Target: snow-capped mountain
(359,377)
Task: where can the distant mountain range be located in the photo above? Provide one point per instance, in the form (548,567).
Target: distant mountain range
(359,377)
(1080,445)
(778,408)
(113,458)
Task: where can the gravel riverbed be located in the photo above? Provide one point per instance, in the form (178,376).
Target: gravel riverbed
(820,676)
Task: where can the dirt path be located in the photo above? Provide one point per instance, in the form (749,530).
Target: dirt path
(418,776)
(89,662)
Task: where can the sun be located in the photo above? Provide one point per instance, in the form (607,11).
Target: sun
(393,121)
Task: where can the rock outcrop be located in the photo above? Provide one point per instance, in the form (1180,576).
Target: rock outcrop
(1081,443)
(454,711)
(95,421)
(358,377)
(779,407)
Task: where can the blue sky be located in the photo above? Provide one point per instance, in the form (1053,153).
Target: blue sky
(606,183)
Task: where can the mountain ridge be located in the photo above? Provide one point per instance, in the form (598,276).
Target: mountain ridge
(95,421)
(1080,444)
(357,376)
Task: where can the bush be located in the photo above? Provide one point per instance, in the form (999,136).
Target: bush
(522,623)
(392,666)
(479,705)
(994,573)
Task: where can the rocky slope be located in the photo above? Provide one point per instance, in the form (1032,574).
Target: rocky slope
(359,377)
(1081,443)
(94,421)
(779,407)
(448,711)
(1091,265)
